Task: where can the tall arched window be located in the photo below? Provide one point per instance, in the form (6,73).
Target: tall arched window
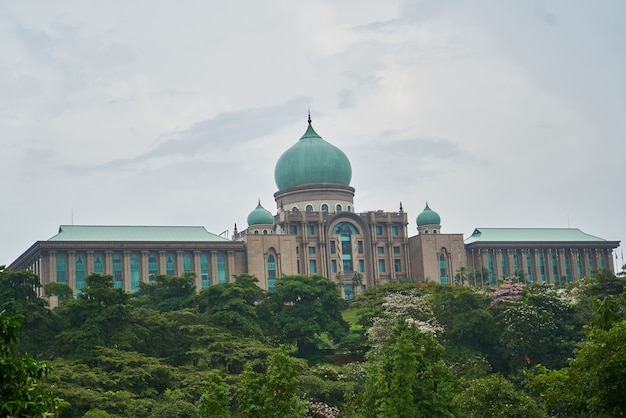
(98,265)
(221,269)
(135,272)
(324,207)
(271,272)
(117,271)
(187,266)
(61,269)
(309,208)
(80,272)
(205,281)
(294,209)
(443,269)
(170,264)
(346,230)
(338,208)
(153,266)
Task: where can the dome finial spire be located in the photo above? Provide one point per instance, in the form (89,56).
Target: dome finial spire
(309,119)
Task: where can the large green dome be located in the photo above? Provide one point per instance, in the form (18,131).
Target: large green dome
(260,216)
(312,160)
(428,217)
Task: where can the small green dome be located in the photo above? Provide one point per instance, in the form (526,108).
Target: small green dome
(260,216)
(312,160)
(428,217)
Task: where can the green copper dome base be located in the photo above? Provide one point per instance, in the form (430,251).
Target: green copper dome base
(316,194)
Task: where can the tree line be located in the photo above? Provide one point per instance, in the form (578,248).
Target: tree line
(396,350)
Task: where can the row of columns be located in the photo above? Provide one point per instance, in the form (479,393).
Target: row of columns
(47,271)
(598,256)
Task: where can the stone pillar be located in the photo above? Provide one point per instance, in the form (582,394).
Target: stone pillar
(162,262)
(196,269)
(71,270)
(230,268)
(90,263)
(126,270)
(180,263)
(214,275)
(52,266)
(497,264)
(108,262)
(145,275)
(510,260)
(537,263)
(562,254)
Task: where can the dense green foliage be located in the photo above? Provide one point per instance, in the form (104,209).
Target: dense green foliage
(411,349)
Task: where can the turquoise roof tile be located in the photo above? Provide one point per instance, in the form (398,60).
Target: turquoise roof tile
(134,233)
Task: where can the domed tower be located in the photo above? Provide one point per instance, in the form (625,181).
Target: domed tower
(260,221)
(429,221)
(313,176)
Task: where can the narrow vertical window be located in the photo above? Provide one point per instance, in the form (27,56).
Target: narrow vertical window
(80,272)
(204,271)
(187,265)
(135,272)
(338,208)
(443,269)
(98,265)
(325,208)
(381,266)
(312,266)
(61,269)
(153,265)
(397,266)
(117,271)
(542,268)
(309,208)
(221,269)
(271,272)
(170,264)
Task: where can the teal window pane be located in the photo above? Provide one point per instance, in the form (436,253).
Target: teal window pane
(381,266)
(394,230)
(333,248)
(221,269)
(153,265)
(271,272)
(397,266)
(187,265)
(443,269)
(568,270)
(359,246)
(309,208)
(293,229)
(135,272)
(61,269)
(311,250)
(529,266)
(380,250)
(118,283)
(312,266)
(80,272)
(204,271)
(361,266)
(396,250)
(348,291)
(98,265)
(505,267)
(170,264)
(333,266)
(542,268)
(338,208)
(310,229)
(379,230)
(324,207)
(345,229)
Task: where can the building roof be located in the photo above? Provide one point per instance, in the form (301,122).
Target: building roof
(134,233)
(530,235)
(312,160)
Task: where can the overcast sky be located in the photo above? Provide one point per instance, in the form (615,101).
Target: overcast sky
(499,113)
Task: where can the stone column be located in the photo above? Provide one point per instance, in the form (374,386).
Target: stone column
(90,263)
(214,275)
(71,270)
(230,268)
(537,263)
(196,270)
(126,270)
(108,262)
(561,260)
(510,260)
(145,275)
(162,262)
(52,266)
(180,263)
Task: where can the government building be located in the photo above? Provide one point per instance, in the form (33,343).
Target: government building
(317,230)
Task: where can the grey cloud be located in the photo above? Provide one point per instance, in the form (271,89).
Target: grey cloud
(223,132)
